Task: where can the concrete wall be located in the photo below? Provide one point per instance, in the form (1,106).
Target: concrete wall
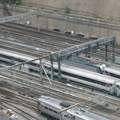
(104,8)
(3,13)
(49,23)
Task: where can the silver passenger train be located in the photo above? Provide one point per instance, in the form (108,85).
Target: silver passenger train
(69,73)
(99,67)
(111,71)
(52,107)
(92,79)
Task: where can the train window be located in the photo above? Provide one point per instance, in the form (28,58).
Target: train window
(109,85)
(83,78)
(5,56)
(55,111)
(118,86)
(83,110)
(34,64)
(73,117)
(67,116)
(50,109)
(46,107)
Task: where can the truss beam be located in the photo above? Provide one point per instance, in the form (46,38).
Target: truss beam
(18,17)
(84,46)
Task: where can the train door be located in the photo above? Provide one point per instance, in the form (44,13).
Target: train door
(38,106)
(117,88)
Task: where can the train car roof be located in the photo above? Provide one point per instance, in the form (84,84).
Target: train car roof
(68,68)
(92,75)
(118,83)
(84,114)
(79,65)
(55,103)
(113,70)
(17,55)
(84,73)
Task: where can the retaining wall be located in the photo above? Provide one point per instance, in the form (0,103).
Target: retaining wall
(104,8)
(49,23)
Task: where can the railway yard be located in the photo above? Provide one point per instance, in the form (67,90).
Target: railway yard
(25,76)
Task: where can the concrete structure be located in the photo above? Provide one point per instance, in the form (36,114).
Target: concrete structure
(104,8)
(51,21)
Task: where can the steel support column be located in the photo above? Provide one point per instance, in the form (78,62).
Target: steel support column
(89,50)
(113,52)
(51,60)
(41,71)
(38,23)
(97,45)
(86,53)
(106,55)
(59,68)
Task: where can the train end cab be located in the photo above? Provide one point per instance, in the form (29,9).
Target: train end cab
(117,88)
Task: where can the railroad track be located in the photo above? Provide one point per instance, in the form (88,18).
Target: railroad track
(70,93)
(20,104)
(37,42)
(69,37)
(10,45)
(54,40)
(84,20)
(16,74)
(54,36)
(37,52)
(46,48)
(9,94)
(55,92)
(20,111)
(92,104)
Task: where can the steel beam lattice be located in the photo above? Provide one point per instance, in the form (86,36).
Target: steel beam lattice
(20,16)
(84,46)
(63,54)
